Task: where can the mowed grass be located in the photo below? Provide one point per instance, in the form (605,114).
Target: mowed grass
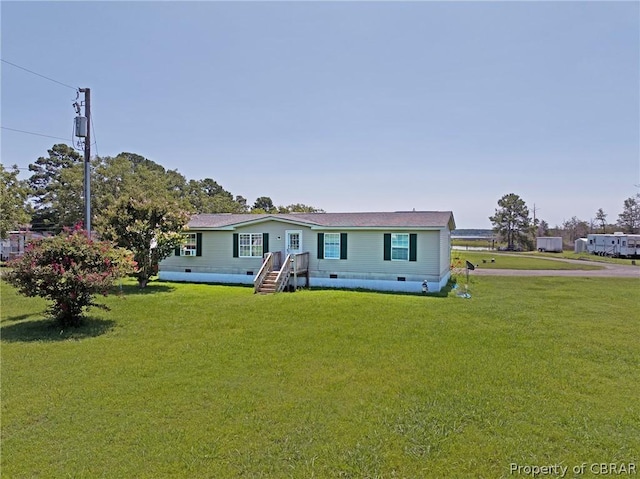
(213,381)
(519,261)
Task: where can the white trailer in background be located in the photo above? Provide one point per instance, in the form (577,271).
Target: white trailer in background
(552,244)
(616,244)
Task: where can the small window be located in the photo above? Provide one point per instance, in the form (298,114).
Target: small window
(332,245)
(399,246)
(250,245)
(190,247)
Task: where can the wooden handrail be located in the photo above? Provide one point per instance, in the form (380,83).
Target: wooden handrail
(283,274)
(293,264)
(265,269)
(301,262)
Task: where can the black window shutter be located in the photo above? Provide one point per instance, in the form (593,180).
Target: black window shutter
(198,244)
(265,243)
(177,251)
(413,247)
(235,245)
(320,245)
(387,246)
(343,245)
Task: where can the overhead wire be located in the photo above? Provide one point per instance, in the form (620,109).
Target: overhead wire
(38,74)
(76,89)
(33,133)
(93,129)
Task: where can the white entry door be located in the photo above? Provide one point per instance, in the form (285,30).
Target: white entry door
(294,242)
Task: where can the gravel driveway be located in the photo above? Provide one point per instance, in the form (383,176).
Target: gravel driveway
(608,270)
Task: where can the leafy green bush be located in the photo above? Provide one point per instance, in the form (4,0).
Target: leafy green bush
(150,228)
(69,269)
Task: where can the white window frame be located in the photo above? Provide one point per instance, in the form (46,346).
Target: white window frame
(289,233)
(190,246)
(254,245)
(397,248)
(328,254)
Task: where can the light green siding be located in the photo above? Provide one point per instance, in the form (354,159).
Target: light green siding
(365,258)
(445,251)
(365,250)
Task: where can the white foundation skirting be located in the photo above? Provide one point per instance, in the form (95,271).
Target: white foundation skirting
(371,284)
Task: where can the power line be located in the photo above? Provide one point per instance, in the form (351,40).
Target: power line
(93,128)
(32,133)
(38,74)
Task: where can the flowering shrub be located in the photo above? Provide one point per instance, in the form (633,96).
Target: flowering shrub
(150,228)
(69,270)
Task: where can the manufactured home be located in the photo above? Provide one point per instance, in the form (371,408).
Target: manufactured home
(616,244)
(401,251)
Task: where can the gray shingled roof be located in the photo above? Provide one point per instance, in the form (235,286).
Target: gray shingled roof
(400,219)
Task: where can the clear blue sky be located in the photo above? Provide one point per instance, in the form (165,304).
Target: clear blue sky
(346,106)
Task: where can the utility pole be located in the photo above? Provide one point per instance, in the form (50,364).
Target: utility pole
(87,160)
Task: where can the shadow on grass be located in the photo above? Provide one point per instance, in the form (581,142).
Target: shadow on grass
(152,287)
(48,330)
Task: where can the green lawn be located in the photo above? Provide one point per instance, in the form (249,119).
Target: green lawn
(201,381)
(514,261)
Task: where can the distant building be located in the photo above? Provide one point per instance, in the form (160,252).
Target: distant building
(14,246)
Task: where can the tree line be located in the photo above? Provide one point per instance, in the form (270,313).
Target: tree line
(52,197)
(513,223)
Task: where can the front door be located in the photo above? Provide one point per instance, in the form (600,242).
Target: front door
(294,242)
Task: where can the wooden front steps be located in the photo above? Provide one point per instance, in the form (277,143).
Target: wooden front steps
(269,284)
(270,280)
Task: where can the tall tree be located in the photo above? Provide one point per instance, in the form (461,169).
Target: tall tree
(14,209)
(629,219)
(542,228)
(264,204)
(601,217)
(207,196)
(57,190)
(574,228)
(242,204)
(511,220)
(128,175)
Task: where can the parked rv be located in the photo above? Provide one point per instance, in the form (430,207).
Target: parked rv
(616,244)
(552,244)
